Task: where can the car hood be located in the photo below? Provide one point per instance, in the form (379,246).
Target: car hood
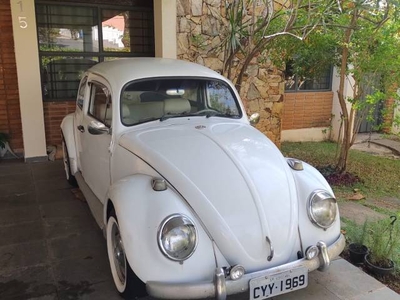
(236,181)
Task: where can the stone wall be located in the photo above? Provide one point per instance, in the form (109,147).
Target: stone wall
(201,26)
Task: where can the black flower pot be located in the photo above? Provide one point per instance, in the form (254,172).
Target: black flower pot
(357,253)
(379,270)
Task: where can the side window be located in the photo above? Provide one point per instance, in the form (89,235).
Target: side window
(81,93)
(100,104)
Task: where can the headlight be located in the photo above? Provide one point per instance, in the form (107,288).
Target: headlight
(322,209)
(177,237)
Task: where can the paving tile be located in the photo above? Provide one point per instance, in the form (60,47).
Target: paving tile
(21,233)
(346,281)
(83,270)
(16,189)
(81,246)
(11,167)
(63,209)
(49,172)
(98,291)
(314,290)
(61,227)
(22,255)
(17,200)
(16,178)
(43,196)
(381,294)
(17,215)
(32,282)
(52,184)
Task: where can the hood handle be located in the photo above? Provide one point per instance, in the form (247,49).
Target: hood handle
(271,249)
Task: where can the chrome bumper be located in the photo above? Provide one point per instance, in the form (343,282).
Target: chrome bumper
(221,287)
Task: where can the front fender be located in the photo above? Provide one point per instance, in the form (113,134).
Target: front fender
(140,211)
(67,129)
(307,181)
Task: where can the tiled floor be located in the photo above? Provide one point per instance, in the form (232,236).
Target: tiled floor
(51,247)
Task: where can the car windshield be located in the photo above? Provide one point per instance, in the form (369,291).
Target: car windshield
(162,99)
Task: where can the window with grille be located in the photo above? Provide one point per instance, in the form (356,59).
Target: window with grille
(295,83)
(74,37)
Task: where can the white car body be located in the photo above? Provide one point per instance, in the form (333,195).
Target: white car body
(247,204)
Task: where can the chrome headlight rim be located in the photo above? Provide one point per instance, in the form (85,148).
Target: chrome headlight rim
(186,221)
(323,195)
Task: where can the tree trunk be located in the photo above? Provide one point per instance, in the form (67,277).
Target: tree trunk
(347,119)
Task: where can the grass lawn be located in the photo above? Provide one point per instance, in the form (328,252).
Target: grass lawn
(380,175)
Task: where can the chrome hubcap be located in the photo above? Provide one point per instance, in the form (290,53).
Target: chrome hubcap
(118,253)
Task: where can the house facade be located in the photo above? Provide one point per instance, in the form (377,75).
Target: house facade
(47,44)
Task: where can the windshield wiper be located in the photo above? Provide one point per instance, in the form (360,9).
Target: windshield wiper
(169,116)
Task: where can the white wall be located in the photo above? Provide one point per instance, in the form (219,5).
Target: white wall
(165,28)
(315,134)
(29,85)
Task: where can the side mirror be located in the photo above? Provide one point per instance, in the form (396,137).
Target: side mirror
(97,128)
(254,119)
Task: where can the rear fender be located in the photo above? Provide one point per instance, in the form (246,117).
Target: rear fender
(67,129)
(140,211)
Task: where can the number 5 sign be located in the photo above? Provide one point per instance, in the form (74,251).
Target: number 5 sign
(23,22)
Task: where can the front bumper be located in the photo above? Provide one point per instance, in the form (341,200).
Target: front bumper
(221,287)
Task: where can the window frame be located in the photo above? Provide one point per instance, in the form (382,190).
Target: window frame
(101,55)
(203,96)
(297,90)
(107,92)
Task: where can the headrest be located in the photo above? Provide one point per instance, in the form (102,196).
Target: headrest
(131,97)
(102,111)
(176,106)
(125,111)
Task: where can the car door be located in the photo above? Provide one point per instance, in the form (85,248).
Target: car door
(95,139)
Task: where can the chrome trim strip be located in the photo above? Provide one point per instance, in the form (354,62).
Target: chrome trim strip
(199,290)
(186,220)
(324,195)
(271,249)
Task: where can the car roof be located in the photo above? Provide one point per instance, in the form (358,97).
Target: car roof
(123,70)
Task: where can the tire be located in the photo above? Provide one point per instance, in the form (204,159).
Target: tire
(70,178)
(127,283)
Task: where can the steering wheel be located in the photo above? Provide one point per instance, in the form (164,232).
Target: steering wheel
(206,110)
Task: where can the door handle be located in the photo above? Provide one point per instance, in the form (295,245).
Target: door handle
(81,128)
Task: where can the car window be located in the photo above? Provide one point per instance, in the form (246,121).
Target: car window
(162,98)
(81,93)
(100,104)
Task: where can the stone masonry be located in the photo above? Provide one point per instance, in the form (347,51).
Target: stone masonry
(201,27)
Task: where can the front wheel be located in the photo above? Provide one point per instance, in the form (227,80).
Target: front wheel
(70,178)
(127,283)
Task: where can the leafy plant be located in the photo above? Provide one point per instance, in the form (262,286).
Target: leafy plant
(355,233)
(4,138)
(383,240)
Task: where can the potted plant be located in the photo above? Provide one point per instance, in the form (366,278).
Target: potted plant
(356,236)
(383,239)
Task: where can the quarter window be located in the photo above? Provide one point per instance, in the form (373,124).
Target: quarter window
(100,104)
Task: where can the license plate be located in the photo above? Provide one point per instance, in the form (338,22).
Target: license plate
(279,283)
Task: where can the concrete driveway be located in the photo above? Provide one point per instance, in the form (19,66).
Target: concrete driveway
(51,247)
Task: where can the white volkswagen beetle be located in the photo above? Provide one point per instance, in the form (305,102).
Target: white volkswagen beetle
(194,201)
